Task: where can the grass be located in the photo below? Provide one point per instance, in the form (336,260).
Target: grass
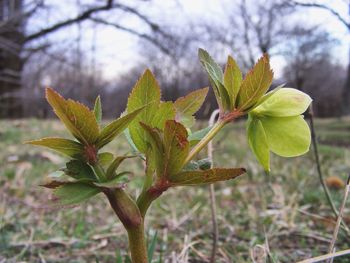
(287,208)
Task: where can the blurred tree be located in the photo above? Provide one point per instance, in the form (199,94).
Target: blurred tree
(344,20)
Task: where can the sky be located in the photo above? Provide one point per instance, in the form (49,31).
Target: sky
(116,50)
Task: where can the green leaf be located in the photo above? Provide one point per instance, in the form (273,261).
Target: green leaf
(98,110)
(196,136)
(74,193)
(114,166)
(176,147)
(268,95)
(116,127)
(116,182)
(105,158)
(154,139)
(258,142)
(146,93)
(151,247)
(232,80)
(285,102)
(80,170)
(216,78)
(255,84)
(187,106)
(78,119)
(68,147)
(287,136)
(205,176)
(166,111)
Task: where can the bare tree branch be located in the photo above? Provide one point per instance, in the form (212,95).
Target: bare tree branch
(83,16)
(149,38)
(324,7)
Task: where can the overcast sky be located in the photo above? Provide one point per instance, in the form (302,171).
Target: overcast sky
(116,51)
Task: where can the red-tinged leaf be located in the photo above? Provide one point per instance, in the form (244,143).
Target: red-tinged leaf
(74,193)
(205,176)
(188,105)
(78,119)
(255,84)
(155,140)
(146,93)
(176,147)
(53,184)
(115,128)
(232,80)
(68,147)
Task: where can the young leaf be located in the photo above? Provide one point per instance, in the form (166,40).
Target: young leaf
(205,176)
(78,119)
(98,110)
(166,111)
(176,147)
(232,79)
(74,193)
(114,165)
(284,102)
(116,182)
(187,106)
(258,142)
(287,136)
(105,158)
(68,147)
(116,127)
(216,78)
(196,136)
(146,93)
(80,171)
(255,84)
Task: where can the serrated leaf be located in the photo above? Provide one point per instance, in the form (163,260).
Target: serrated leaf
(166,111)
(116,127)
(80,171)
(196,136)
(258,142)
(287,136)
(154,138)
(285,102)
(176,147)
(232,80)
(255,84)
(110,173)
(188,105)
(74,193)
(98,109)
(146,93)
(68,147)
(187,178)
(78,119)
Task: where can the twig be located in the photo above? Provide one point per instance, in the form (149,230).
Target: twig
(319,170)
(341,211)
(327,256)
(212,194)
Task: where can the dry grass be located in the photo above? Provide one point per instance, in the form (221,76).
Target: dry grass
(283,216)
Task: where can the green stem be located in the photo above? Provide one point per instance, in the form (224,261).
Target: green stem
(207,138)
(101,175)
(137,244)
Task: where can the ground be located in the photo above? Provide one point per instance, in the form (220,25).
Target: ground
(286,209)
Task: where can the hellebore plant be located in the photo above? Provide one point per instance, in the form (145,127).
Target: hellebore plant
(160,135)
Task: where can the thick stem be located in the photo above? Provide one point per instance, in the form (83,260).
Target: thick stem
(137,244)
